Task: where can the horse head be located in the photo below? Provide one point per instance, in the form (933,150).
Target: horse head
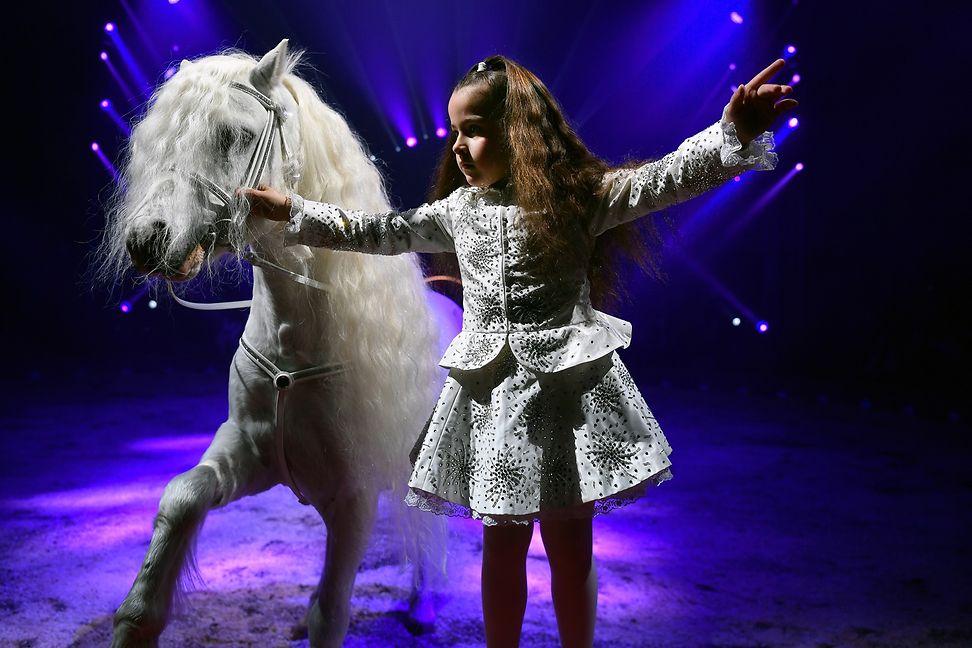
(219,123)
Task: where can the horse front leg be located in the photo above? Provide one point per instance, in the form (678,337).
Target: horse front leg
(143,614)
(349,525)
(187,498)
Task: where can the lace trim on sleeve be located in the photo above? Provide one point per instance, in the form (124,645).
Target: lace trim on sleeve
(758,153)
(296,214)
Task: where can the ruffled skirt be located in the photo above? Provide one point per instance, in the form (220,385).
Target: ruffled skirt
(507,445)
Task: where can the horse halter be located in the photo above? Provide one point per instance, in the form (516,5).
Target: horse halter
(276,116)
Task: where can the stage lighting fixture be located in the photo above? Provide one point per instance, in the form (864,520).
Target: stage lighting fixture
(736,321)
(799,166)
(736,17)
(410,142)
(110,27)
(103,56)
(795,79)
(152,303)
(793,122)
(441,132)
(105,103)
(95,147)
(125,307)
(762,326)
(791,50)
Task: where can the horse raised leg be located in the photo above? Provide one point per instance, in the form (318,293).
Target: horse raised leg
(349,524)
(228,470)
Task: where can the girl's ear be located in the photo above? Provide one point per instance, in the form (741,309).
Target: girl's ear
(270,70)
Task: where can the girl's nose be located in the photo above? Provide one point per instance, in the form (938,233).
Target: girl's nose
(458,145)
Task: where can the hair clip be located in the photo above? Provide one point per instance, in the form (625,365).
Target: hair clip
(481,67)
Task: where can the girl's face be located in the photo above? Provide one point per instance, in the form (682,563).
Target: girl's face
(480,150)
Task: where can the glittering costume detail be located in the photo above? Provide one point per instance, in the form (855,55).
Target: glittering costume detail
(538,417)
(541,444)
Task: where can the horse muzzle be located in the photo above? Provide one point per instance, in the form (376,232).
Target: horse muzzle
(149,256)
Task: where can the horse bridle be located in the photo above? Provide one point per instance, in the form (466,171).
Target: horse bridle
(282,380)
(220,234)
(276,116)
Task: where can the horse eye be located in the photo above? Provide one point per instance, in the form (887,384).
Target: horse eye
(224,138)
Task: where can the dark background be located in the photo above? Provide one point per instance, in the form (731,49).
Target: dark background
(859,264)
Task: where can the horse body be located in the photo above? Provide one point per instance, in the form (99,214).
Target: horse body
(346,435)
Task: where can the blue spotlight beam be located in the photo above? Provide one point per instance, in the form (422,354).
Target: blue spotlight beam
(105,162)
(130,63)
(759,205)
(130,96)
(146,39)
(122,125)
(717,286)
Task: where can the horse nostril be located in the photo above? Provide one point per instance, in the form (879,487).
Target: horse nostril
(146,251)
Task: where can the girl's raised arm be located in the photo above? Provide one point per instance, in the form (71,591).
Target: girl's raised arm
(737,142)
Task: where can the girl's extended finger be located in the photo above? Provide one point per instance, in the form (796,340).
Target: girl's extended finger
(786,104)
(767,73)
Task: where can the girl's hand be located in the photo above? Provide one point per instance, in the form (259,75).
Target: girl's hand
(753,107)
(267,202)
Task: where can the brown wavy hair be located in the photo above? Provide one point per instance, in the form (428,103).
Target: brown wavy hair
(555,179)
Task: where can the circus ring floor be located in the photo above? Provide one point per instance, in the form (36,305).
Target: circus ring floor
(787,524)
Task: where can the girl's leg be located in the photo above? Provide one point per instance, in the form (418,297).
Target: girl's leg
(573,578)
(504,582)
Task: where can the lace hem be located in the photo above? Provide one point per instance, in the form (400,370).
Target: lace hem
(432,503)
(759,152)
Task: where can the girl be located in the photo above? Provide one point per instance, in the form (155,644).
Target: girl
(538,419)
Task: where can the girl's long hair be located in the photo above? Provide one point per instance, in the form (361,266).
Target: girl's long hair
(555,179)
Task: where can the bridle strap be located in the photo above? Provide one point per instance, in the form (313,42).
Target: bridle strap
(282,381)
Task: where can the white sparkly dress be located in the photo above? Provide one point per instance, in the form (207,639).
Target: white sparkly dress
(538,416)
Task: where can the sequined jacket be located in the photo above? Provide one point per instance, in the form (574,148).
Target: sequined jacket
(541,309)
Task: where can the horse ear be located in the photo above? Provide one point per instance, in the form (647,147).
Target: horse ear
(185,63)
(270,70)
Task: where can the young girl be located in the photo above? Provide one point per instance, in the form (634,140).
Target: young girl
(538,419)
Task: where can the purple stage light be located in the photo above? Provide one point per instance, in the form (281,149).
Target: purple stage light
(737,179)
(109,27)
(793,123)
(762,326)
(791,50)
(105,104)
(103,56)
(125,307)
(95,147)
(441,132)
(169,72)
(410,141)
(799,166)
(173,1)
(736,17)
(795,79)
(732,66)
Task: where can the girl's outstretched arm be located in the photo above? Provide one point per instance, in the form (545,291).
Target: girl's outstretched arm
(703,161)
(424,229)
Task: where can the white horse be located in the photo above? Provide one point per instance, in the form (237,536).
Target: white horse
(367,340)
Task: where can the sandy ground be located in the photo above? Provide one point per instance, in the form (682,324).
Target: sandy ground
(787,524)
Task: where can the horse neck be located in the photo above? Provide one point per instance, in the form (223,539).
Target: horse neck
(287,320)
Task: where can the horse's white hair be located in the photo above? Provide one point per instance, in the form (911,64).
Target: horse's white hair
(375,309)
